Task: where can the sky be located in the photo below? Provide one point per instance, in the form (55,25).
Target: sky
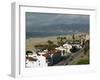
(34,21)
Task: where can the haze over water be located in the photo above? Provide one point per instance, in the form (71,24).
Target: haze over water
(50,24)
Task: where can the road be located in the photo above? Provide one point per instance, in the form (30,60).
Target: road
(71,57)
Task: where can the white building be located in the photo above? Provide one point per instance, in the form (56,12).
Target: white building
(62,50)
(67,47)
(40,61)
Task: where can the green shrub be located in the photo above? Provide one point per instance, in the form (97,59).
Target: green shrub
(86,61)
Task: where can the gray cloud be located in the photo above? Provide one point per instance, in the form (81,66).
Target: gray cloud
(37,20)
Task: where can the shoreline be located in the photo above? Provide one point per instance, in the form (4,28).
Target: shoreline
(31,42)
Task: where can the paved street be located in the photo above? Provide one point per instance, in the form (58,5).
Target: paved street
(69,59)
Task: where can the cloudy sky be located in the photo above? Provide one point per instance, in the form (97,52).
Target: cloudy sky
(38,20)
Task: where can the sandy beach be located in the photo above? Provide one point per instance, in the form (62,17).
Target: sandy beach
(31,42)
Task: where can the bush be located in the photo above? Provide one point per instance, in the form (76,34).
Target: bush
(83,61)
(29,52)
(74,49)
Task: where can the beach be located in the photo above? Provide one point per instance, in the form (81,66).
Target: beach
(31,42)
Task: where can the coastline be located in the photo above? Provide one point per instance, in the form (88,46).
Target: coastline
(31,42)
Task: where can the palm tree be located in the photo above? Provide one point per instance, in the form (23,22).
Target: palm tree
(61,40)
(73,37)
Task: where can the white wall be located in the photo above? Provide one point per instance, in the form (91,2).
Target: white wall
(5,39)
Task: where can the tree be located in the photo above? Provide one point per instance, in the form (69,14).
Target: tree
(80,37)
(50,42)
(86,46)
(61,40)
(41,46)
(29,52)
(73,37)
(51,45)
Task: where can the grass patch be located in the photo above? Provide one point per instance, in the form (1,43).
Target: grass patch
(85,61)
